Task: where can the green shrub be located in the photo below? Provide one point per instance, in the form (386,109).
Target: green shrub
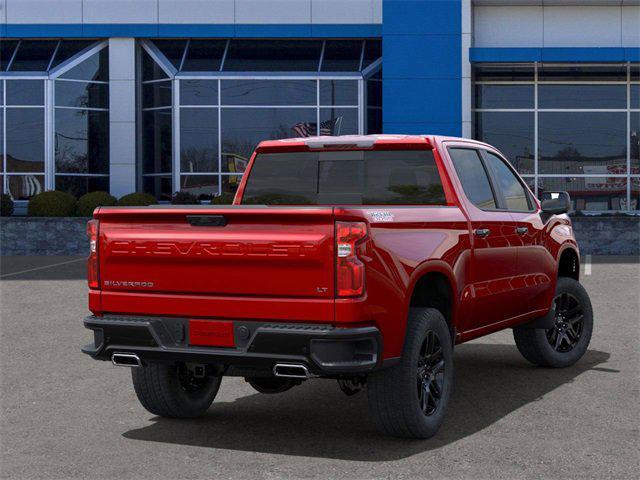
(184,198)
(88,202)
(137,200)
(223,199)
(6,205)
(52,204)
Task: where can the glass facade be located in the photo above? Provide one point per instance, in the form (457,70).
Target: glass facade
(570,127)
(206,104)
(54,117)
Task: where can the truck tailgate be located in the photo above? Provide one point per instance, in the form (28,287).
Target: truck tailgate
(234,251)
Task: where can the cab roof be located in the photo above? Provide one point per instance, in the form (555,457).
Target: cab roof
(356,142)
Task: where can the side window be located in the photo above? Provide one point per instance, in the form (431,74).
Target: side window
(473,177)
(512,190)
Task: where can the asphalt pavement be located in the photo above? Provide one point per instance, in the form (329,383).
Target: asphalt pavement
(63,415)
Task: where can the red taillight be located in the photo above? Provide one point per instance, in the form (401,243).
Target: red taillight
(92,261)
(349,268)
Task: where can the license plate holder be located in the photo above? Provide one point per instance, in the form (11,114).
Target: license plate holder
(211,333)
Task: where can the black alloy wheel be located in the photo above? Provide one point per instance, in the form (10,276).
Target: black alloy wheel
(431,367)
(569,323)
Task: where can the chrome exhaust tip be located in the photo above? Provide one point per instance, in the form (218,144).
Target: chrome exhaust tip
(291,370)
(126,360)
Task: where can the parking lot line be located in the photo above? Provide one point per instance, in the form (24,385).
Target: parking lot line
(587,265)
(41,268)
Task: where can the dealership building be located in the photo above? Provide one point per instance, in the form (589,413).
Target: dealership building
(173,95)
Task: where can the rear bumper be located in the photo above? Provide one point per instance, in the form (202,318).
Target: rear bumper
(323,349)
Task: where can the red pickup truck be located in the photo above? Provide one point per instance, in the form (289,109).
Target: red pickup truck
(358,258)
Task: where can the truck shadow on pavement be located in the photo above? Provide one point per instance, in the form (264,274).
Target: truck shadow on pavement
(317,420)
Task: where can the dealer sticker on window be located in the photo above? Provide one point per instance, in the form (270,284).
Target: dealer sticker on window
(381,216)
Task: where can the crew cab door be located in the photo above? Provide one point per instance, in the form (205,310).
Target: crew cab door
(494,257)
(536,265)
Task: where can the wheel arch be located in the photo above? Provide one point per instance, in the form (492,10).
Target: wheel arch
(434,285)
(569,263)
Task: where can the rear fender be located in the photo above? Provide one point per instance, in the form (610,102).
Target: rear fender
(434,266)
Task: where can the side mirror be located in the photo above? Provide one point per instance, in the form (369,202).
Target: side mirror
(555,203)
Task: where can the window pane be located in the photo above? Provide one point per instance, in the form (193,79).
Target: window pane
(6,52)
(23,187)
(510,132)
(473,177)
(582,96)
(1,142)
(269,92)
(550,71)
(172,49)
(156,94)
(635,142)
(69,48)
(81,141)
(586,142)
(504,72)
(25,92)
(1,93)
(158,186)
(276,179)
(198,92)
(409,178)
(25,139)
(273,55)
(199,139)
(350,177)
(635,96)
(33,55)
(635,193)
(156,141)
(338,92)
(78,186)
(82,95)
(204,56)
(512,190)
(373,87)
(338,121)
(230,183)
(372,52)
(531,183)
(244,128)
(635,72)
(504,96)
(233,162)
(589,193)
(150,69)
(96,67)
(342,56)
(202,186)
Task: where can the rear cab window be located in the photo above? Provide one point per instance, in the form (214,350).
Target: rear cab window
(353,177)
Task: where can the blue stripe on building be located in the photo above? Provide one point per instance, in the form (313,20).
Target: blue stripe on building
(148,30)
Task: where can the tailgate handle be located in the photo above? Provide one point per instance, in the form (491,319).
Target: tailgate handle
(207,220)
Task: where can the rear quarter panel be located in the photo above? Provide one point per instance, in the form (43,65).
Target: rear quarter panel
(403,244)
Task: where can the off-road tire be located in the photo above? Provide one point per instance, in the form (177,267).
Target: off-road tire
(162,391)
(534,343)
(393,393)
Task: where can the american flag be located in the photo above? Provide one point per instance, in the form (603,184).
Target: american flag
(308,129)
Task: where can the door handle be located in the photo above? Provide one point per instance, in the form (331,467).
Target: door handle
(482,232)
(522,230)
(207,220)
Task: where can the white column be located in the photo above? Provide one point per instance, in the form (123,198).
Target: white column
(122,116)
(467,93)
